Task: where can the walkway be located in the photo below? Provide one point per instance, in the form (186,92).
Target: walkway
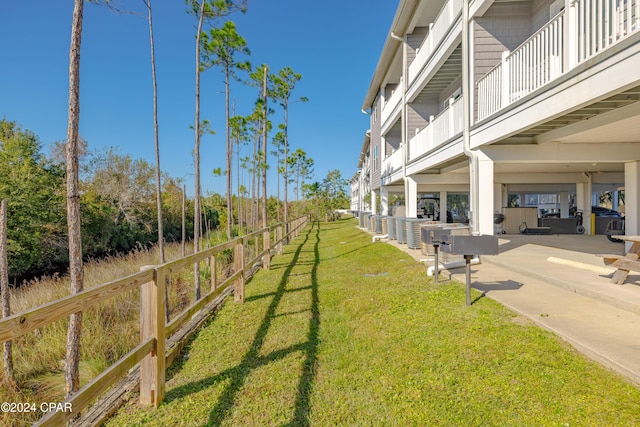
(561,284)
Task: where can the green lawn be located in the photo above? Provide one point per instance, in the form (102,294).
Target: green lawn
(342,331)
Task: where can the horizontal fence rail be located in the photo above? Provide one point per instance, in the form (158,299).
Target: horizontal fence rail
(151,353)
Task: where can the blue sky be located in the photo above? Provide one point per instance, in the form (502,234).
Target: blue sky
(334,44)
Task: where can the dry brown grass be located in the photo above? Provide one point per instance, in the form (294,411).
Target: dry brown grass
(110,330)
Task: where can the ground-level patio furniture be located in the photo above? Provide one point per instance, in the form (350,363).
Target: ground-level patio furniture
(615,228)
(625,263)
(525,229)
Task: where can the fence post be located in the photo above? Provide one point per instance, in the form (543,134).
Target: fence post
(238,265)
(266,243)
(279,238)
(152,325)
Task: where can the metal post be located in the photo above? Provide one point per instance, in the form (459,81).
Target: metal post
(436,271)
(467,258)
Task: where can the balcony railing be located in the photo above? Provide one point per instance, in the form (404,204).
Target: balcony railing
(535,63)
(570,38)
(437,31)
(392,163)
(601,23)
(391,103)
(440,129)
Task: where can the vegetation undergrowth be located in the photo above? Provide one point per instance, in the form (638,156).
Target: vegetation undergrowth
(342,331)
(110,330)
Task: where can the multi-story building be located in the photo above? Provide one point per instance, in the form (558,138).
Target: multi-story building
(361,181)
(479,101)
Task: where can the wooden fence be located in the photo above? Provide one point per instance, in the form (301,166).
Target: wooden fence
(154,329)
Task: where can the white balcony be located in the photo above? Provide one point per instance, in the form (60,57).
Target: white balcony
(391,104)
(390,165)
(440,129)
(569,39)
(437,32)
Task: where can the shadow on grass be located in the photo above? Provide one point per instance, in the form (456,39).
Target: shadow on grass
(237,375)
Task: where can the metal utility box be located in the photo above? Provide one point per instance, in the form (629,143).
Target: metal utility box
(428,232)
(391,228)
(470,245)
(401,232)
(432,234)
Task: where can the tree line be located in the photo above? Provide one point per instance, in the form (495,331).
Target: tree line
(117,202)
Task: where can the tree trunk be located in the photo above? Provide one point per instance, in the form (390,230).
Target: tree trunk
(229,154)
(265,130)
(196,159)
(4,289)
(286,173)
(184,220)
(156,137)
(241,217)
(254,177)
(157,148)
(72,367)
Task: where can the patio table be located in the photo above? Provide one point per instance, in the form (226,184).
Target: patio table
(625,263)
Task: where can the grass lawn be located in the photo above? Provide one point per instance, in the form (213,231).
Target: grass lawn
(342,331)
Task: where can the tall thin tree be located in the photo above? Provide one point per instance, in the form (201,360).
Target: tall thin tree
(4,289)
(265,131)
(283,85)
(220,49)
(72,366)
(239,135)
(255,128)
(302,168)
(196,155)
(260,78)
(278,152)
(155,132)
(156,140)
(209,10)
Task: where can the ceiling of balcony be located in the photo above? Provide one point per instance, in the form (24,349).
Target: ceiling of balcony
(580,126)
(446,75)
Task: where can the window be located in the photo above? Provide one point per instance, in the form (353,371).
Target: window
(375,157)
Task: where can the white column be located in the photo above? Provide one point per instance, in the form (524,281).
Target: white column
(384,201)
(411,201)
(564,204)
(583,203)
(361,193)
(486,195)
(443,207)
(374,202)
(383,148)
(505,196)
(631,199)
(498,197)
